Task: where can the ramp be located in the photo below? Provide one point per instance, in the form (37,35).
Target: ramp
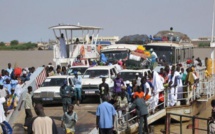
(35,79)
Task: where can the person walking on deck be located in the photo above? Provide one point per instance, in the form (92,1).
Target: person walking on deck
(28,106)
(69,120)
(104,89)
(105,115)
(66,93)
(41,124)
(142,111)
(77,80)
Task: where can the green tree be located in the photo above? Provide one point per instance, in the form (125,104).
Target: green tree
(14,42)
(204,44)
(2,44)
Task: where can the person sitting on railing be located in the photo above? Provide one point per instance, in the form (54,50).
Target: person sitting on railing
(12,101)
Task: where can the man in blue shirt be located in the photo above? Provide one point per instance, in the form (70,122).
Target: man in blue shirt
(105,117)
(77,80)
(9,69)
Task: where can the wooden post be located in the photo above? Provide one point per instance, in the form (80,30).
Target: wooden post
(167,123)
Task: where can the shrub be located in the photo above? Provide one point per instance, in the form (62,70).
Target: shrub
(14,42)
(25,46)
(2,44)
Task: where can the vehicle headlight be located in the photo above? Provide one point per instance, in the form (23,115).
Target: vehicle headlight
(57,94)
(36,95)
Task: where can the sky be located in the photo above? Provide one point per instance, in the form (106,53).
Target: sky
(28,20)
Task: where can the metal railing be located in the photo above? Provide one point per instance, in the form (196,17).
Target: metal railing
(204,88)
(127,123)
(194,125)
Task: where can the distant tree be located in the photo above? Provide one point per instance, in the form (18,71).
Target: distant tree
(204,45)
(14,42)
(2,44)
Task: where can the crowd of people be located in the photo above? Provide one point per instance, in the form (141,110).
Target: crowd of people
(12,81)
(147,95)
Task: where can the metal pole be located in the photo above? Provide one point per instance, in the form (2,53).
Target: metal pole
(207,126)
(180,124)
(212,36)
(193,127)
(167,123)
(212,39)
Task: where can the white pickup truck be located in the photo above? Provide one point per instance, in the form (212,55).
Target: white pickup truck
(92,79)
(49,91)
(130,74)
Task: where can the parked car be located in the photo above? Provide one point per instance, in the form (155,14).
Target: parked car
(49,91)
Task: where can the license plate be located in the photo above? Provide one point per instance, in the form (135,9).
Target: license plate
(47,99)
(90,92)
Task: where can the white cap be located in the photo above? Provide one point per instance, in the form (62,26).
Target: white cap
(127,82)
(137,74)
(24,72)
(151,49)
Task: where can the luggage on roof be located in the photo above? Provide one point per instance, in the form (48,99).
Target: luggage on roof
(134,39)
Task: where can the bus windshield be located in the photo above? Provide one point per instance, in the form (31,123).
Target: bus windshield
(115,55)
(165,53)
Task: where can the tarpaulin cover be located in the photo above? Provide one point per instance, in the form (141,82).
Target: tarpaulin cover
(134,39)
(171,36)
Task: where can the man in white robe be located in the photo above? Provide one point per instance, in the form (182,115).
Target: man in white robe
(2,112)
(63,52)
(158,87)
(179,83)
(173,91)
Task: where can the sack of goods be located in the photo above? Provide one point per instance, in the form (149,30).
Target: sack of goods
(134,57)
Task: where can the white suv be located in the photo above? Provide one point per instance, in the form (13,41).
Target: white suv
(92,79)
(49,91)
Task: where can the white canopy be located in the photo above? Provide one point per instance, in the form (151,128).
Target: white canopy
(74,27)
